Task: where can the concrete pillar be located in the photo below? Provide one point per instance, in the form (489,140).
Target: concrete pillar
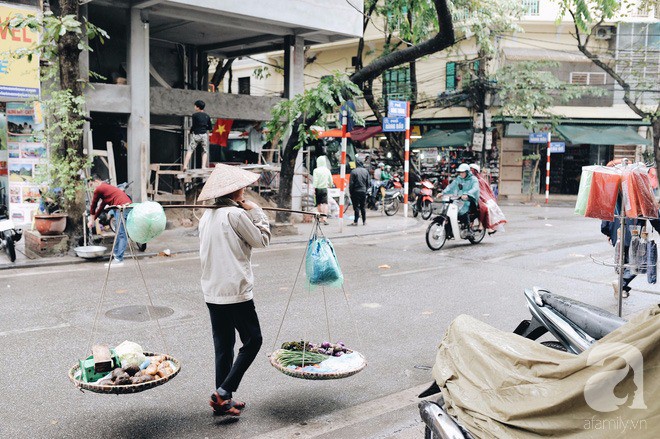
(139,121)
(296,85)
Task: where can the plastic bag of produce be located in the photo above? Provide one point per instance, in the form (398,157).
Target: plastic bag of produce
(130,354)
(583,191)
(145,221)
(321,265)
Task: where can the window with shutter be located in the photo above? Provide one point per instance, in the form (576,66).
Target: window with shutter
(450,74)
(579,78)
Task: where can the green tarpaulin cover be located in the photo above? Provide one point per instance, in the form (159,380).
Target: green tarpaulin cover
(439,138)
(601,135)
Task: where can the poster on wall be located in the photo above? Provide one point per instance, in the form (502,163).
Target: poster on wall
(4,155)
(19,77)
(25,152)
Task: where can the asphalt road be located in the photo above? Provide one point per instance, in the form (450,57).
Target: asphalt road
(401,297)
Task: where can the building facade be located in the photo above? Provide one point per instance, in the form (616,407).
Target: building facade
(506,154)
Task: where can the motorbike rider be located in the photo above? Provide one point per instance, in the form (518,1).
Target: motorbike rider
(378,171)
(467,186)
(386,175)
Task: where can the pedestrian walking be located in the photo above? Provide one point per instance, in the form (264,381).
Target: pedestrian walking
(227,236)
(108,195)
(199,135)
(322,180)
(357,188)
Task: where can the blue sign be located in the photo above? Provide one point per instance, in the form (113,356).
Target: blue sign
(539,137)
(394,124)
(557,147)
(397,108)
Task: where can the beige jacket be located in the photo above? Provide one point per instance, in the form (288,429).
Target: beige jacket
(226,238)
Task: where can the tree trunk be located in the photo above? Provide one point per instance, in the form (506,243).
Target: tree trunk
(69,66)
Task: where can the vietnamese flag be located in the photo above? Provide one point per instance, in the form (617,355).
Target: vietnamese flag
(220,132)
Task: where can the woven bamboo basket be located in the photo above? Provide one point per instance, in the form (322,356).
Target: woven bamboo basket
(317,375)
(129,388)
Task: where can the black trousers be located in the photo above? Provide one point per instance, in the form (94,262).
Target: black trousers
(359,199)
(225,321)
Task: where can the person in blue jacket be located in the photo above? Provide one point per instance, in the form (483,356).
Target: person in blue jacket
(467,186)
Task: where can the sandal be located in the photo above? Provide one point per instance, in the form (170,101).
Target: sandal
(225,407)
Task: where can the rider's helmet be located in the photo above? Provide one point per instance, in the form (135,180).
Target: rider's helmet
(463,167)
(476,167)
(381,165)
(388,167)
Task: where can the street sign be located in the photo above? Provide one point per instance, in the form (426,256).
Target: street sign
(394,124)
(487,119)
(397,108)
(557,147)
(539,137)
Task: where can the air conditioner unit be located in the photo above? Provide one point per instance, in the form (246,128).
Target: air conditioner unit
(604,32)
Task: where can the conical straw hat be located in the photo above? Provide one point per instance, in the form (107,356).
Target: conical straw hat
(224,180)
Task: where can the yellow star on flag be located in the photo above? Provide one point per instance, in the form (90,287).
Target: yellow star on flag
(220,130)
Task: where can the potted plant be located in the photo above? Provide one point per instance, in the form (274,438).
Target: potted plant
(50,220)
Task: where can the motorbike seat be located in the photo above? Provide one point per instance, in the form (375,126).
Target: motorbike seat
(594,321)
(391,192)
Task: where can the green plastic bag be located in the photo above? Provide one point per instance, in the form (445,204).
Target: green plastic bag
(583,191)
(321,265)
(145,221)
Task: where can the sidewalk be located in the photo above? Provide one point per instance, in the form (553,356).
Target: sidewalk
(183,240)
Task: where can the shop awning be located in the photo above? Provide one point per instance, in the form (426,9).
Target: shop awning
(363,133)
(440,138)
(601,135)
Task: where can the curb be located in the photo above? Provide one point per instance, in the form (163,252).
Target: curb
(71,260)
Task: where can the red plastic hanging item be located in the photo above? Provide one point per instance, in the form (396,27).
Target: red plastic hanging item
(605,185)
(642,185)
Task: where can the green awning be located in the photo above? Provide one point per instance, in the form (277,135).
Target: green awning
(601,135)
(440,138)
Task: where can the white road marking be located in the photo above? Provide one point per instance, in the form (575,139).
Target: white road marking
(348,416)
(419,270)
(38,328)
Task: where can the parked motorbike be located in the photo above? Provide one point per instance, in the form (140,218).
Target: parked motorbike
(447,226)
(385,197)
(575,326)
(9,234)
(423,199)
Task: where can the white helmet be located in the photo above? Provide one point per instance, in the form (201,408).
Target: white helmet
(463,167)
(381,165)
(475,166)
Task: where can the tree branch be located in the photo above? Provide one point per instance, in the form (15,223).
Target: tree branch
(443,39)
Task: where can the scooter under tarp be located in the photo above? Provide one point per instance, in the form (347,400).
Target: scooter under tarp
(499,385)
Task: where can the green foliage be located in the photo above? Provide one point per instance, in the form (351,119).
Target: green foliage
(587,13)
(311,106)
(261,72)
(485,20)
(63,114)
(63,110)
(528,90)
(411,21)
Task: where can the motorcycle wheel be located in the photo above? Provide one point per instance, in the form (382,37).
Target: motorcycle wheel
(477,234)
(426,210)
(11,249)
(142,246)
(391,207)
(113,224)
(436,235)
(414,210)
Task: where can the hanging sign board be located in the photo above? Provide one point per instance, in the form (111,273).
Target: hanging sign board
(489,140)
(478,121)
(478,141)
(19,78)
(557,147)
(394,124)
(397,108)
(539,137)
(487,119)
